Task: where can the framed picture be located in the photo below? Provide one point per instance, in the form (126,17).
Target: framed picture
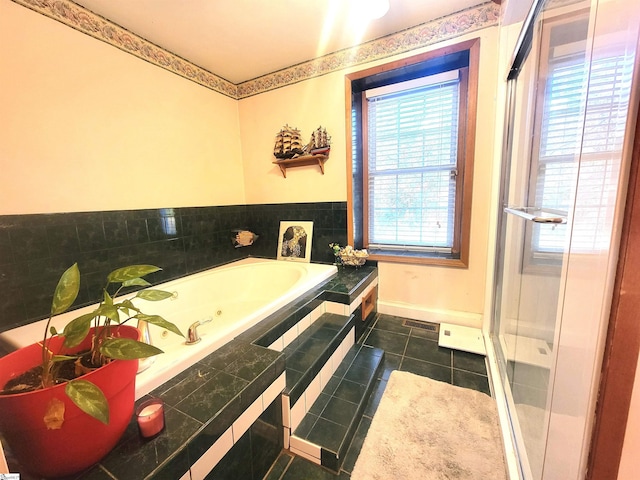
(294,241)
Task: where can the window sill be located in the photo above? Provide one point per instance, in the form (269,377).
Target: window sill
(417,258)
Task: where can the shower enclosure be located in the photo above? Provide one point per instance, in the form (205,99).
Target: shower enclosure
(571,100)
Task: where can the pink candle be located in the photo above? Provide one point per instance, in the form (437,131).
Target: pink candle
(150,417)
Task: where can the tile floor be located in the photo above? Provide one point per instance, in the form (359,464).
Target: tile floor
(410,349)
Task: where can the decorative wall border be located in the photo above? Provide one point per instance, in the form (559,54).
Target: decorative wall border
(444,28)
(85,21)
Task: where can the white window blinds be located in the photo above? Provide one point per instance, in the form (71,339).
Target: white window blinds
(412,167)
(594,136)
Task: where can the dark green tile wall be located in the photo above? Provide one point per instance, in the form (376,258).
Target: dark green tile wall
(36,249)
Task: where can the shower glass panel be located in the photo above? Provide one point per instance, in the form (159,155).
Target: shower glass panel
(546,118)
(568,105)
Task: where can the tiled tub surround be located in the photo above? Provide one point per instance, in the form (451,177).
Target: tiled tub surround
(36,249)
(315,348)
(230,299)
(210,404)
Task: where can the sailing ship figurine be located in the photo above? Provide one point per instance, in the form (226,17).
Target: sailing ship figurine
(288,143)
(290,152)
(320,142)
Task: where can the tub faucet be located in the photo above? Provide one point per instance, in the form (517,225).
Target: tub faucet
(145,336)
(192,333)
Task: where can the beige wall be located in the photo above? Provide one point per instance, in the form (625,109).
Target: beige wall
(83,121)
(305,105)
(427,292)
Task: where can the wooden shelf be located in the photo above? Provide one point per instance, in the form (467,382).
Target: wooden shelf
(369,303)
(301,162)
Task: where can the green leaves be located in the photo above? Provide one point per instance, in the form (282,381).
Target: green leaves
(160,322)
(136,282)
(132,272)
(66,290)
(77,329)
(109,311)
(154,295)
(127,349)
(85,395)
(88,398)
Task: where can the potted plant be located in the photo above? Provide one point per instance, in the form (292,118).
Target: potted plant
(66,401)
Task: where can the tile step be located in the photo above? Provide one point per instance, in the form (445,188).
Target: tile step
(309,352)
(326,431)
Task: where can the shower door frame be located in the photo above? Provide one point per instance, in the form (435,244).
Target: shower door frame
(622,346)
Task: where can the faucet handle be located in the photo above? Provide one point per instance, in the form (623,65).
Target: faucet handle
(192,333)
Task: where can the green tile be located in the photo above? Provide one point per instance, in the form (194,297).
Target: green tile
(391,323)
(292,378)
(470,362)
(320,403)
(279,466)
(426,369)
(390,363)
(327,434)
(340,411)
(350,391)
(423,349)
(301,469)
(346,362)
(471,380)
(213,396)
(368,357)
(150,454)
(356,445)
(331,385)
(375,397)
(388,341)
(306,425)
(301,361)
(359,375)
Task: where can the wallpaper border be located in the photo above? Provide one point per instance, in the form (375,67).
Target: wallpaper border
(83,20)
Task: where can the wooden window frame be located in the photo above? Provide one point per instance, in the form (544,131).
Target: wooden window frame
(357,193)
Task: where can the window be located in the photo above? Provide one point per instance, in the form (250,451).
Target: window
(412,129)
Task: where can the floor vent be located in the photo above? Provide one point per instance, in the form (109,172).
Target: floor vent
(432,327)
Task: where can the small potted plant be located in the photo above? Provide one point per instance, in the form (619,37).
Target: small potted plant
(66,401)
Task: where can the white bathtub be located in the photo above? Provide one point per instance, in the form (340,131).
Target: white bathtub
(235,296)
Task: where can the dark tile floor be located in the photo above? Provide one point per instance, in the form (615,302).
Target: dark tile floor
(410,349)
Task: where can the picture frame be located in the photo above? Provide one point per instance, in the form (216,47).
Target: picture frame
(294,241)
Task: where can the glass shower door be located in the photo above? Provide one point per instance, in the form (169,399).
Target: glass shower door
(546,117)
(564,171)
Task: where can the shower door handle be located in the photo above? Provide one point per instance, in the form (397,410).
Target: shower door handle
(522,212)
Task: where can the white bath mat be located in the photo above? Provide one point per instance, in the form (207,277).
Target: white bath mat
(427,430)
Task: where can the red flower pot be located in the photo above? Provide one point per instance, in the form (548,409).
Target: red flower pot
(82,440)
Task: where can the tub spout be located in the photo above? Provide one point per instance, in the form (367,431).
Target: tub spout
(192,333)
(145,336)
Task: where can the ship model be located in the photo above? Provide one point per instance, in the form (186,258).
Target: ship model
(320,142)
(289,143)
(290,152)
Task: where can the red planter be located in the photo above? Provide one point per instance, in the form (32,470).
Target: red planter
(82,440)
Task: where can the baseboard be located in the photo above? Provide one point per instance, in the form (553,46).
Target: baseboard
(416,312)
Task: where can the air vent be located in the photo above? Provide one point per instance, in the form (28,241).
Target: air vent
(431,327)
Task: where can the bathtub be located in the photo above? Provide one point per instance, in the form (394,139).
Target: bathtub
(230,299)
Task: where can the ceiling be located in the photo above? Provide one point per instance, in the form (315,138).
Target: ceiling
(240,40)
